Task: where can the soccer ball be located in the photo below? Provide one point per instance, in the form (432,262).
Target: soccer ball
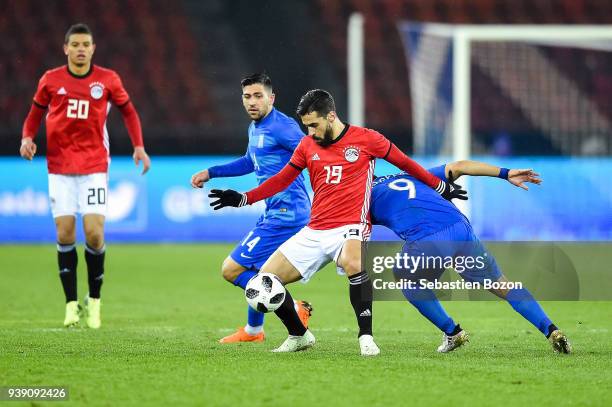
(265,292)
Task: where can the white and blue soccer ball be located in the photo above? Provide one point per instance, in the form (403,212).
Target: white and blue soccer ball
(265,292)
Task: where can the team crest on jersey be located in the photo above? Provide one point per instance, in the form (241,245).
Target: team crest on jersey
(96,90)
(351,153)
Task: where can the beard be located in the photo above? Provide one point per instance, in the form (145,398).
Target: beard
(328,137)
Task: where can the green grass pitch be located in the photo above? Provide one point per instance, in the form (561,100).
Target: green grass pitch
(165,307)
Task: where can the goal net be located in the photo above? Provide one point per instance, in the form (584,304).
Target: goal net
(510,90)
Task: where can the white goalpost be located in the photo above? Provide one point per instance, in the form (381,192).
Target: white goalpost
(543,87)
(499,50)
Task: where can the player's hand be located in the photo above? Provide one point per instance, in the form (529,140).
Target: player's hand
(227,197)
(519,177)
(199,178)
(28,148)
(141,155)
(452,190)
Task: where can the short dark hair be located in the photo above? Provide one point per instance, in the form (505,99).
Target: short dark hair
(261,78)
(78,28)
(316,100)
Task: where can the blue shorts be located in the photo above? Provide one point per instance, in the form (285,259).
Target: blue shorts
(457,244)
(259,244)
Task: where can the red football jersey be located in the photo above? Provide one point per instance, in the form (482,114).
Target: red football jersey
(341,175)
(77,139)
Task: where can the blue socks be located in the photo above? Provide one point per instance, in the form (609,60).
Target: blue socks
(254,318)
(243,278)
(428,305)
(523,302)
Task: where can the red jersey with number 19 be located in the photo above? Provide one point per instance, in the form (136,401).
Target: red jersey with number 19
(341,175)
(77,139)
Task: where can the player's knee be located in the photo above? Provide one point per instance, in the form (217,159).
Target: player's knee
(66,234)
(352,266)
(94,238)
(229,270)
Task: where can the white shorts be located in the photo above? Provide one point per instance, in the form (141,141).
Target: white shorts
(70,195)
(310,250)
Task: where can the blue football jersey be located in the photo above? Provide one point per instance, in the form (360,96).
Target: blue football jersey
(271,144)
(410,208)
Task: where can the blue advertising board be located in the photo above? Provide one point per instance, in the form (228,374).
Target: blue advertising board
(574,202)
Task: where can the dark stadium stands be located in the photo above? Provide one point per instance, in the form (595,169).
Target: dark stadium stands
(181,60)
(387,91)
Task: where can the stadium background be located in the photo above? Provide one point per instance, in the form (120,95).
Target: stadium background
(182,63)
(165,304)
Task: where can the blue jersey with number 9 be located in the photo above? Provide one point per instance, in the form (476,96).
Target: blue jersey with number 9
(410,208)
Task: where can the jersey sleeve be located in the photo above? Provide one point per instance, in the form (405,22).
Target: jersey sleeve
(42,98)
(298,159)
(241,166)
(439,171)
(378,145)
(290,135)
(119,95)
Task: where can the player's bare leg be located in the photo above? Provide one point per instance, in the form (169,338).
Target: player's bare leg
(67,260)
(93,225)
(231,270)
(523,303)
(300,338)
(360,291)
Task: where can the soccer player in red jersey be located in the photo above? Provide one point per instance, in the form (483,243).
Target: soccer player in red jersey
(76,99)
(340,159)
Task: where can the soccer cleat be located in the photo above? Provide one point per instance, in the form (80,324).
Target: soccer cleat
(368,346)
(304,310)
(73,309)
(559,342)
(242,336)
(452,342)
(92,308)
(296,343)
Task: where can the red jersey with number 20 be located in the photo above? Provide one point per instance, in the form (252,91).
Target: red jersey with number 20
(77,139)
(341,175)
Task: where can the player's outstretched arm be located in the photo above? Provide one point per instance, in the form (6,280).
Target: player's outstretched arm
(242,166)
(270,187)
(448,190)
(517,177)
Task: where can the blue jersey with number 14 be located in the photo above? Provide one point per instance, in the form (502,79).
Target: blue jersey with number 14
(410,208)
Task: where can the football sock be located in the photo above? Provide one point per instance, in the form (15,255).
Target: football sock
(254,317)
(253,330)
(243,278)
(360,293)
(551,328)
(424,300)
(95,269)
(523,302)
(67,260)
(287,313)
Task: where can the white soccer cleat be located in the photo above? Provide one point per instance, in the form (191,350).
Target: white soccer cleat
(368,346)
(296,343)
(450,343)
(72,314)
(92,306)
(559,342)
